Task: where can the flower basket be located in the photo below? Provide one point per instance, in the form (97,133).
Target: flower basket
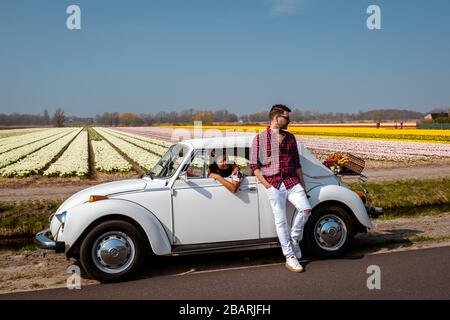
(344,163)
(355,164)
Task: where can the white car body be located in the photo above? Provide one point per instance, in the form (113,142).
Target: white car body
(181,215)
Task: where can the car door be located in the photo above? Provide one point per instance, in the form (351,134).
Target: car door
(204,211)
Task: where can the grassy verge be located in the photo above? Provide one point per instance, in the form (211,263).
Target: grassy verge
(417,212)
(409,198)
(21,220)
(17,245)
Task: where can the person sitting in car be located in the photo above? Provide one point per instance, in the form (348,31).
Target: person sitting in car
(221,169)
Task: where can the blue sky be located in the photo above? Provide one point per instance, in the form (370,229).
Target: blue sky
(243,56)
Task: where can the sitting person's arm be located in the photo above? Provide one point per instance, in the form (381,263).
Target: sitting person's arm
(236,179)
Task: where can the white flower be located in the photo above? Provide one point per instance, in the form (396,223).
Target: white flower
(142,157)
(378,149)
(74,161)
(34,162)
(107,159)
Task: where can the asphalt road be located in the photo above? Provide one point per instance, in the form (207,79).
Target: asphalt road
(414,274)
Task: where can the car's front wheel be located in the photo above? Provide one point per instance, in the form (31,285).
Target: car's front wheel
(112,251)
(329,231)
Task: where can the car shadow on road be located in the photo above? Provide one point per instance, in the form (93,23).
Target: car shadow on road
(209,262)
(387,240)
(363,244)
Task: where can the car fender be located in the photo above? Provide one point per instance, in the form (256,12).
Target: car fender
(82,216)
(344,195)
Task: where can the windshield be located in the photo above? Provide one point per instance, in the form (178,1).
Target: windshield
(169,162)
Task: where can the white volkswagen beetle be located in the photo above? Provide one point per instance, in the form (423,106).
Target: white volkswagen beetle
(176,209)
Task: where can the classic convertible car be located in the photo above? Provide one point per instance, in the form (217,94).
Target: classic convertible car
(176,209)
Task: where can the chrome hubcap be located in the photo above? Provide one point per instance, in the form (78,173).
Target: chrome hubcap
(330,232)
(113,252)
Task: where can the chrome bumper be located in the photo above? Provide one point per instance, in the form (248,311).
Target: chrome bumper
(374,212)
(42,241)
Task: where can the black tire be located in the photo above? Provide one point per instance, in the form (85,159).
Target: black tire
(122,229)
(311,238)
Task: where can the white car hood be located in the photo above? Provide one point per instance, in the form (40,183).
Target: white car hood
(314,172)
(103,189)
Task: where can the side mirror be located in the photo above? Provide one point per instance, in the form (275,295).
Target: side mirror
(182,176)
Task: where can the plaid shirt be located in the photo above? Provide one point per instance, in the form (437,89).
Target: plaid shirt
(276,167)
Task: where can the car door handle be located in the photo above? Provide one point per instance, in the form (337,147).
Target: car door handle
(248,189)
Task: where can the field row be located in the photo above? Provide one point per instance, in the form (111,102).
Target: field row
(14,142)
(17,132)
(139,155)
(379,150)
(417,135)
(74,161)
(36,161)
(64,152)
(16,153)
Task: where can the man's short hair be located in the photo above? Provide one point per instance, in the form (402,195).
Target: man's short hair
(278,109)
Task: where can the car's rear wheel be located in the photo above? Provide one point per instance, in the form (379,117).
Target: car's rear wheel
(329,231)
(112,251)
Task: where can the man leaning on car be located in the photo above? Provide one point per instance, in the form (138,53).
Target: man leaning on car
(275,161)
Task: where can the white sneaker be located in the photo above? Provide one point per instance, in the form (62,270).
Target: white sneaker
(293,265)
(296,248)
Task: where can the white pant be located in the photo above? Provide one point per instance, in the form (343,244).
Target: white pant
(297,196)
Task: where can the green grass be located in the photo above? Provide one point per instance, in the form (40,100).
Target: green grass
(93,135)
(17,276)
(25,219)
(17,245)
(408,193)
(36,285)
(415,212)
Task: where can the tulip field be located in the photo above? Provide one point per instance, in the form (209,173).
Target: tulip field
(378,149)
(385,144)
(142,156)
(64,152)
(387,133)
(78,152)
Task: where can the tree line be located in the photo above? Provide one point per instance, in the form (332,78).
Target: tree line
(57,119)
(206,116)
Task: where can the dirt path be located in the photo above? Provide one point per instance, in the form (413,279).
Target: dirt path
(42,188)
(40,193)
(24,271)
